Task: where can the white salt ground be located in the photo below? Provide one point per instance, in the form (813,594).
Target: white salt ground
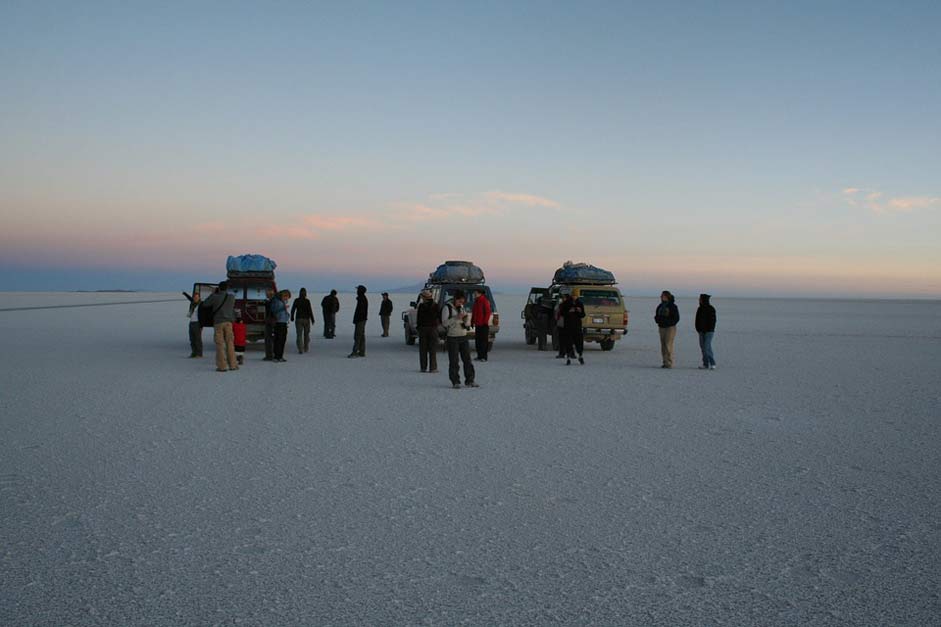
(798,484)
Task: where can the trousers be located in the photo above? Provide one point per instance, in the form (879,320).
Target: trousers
(225,346)
(302,330)
(428,348)
(667,335)
(458,353)
(359,339)
(196,338)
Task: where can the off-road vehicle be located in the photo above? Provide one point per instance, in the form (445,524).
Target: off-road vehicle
(450,277)
(606,317)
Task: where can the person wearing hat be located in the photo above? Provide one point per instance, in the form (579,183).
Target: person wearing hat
(330,305)
(706,328)
(426,319)
(360,314)
(385,313)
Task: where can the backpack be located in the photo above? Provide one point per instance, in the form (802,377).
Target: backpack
(207,315)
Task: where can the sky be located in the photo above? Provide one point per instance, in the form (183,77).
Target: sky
(739,148)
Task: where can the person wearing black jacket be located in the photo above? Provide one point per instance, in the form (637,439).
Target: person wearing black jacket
(572,311)
(706,328)
(330,305)
(667,317)
(427,320)
(385,313)
(269,324)
(304,314)
(360,314)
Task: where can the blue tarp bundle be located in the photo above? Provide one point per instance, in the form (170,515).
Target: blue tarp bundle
(250,263)
(457,272)
(582,273)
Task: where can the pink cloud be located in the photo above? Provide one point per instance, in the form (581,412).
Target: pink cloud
(876,201)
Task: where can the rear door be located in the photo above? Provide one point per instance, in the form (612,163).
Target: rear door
(205,290)
(604,307)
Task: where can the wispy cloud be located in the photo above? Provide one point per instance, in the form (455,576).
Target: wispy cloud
(493,203)
(879,203)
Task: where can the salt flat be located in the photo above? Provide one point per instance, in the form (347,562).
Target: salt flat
(798,484)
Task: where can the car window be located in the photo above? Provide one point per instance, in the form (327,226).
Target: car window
(600,298)
(469,293)
(256,292)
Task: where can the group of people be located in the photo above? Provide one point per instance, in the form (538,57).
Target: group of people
(667,316)
(453,319)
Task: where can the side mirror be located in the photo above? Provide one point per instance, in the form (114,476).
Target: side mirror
(412,304)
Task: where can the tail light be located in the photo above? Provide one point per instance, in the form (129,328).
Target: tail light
(625,318)
(496,319)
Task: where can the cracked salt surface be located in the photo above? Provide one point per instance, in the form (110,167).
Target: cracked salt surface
(796,484)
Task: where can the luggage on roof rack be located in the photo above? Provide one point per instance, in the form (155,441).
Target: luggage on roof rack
(457,272)
(245,266)
(583,273)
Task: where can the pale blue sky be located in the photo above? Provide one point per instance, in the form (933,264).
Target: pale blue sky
(692,145)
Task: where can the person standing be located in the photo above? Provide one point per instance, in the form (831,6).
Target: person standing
(239,336)
(269,323)
(279,308)
(572,311)
(360,315)
(480,319)
(223,315)
(559,328)
(330,305)
(455,321)
(427,319)
(304,319)
(195,328)
(667,317)
(385,313)
(706,328)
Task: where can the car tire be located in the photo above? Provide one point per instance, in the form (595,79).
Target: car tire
(409,338)
(606,345)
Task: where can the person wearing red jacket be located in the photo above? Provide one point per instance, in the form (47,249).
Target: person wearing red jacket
(238,336)
(480,319)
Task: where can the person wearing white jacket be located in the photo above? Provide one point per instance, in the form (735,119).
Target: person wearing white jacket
(456,322)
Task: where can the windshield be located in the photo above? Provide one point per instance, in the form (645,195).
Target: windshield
(470,296)
(256,292)
(600,298)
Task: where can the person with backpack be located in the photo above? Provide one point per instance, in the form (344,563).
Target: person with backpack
(385,313)
(706,328)
(330,305)
(572,311)
(360,315)
(667,316)
(222,306)
(456,323)
(305,318)
(480,319)
(279,308)
(269,324)
(195,326)
(427,319)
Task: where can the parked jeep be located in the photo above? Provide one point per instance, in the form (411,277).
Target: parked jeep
(249,288)
(606,317)
(450,277)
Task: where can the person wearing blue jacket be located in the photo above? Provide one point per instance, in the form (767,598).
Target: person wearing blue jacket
(281,314)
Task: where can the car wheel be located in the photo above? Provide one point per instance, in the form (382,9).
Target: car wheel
(606,345)
(409,338)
